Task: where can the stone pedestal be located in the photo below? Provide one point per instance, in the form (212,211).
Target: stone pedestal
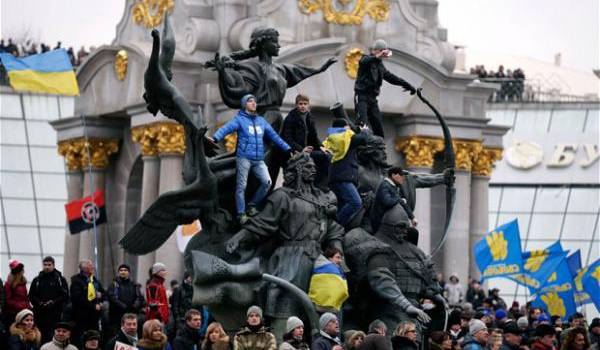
(71,254)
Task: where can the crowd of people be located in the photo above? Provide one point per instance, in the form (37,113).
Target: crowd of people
(512,82)
(53,314)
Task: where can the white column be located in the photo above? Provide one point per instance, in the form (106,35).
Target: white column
(478,218)
(71,254)
(423,213)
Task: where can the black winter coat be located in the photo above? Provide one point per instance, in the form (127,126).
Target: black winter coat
(346,169)
(120,337)
(387,196)
(124,295)
(372,73)
(84,312)
(48,287)
(374,341)
(299,133)
(403,343)
(323,343)
(186,339)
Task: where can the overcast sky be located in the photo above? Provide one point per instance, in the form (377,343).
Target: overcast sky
(529,28)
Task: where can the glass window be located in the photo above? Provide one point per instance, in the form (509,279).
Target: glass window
(505,285)
(14,158)
(50,186)
(572,246)
(23,239)
(53,240)
(493,198)
(19,211)
(10,106)
(67,106)
(16,185)
(579,226)
(594,252)
(41,133)
(4,261)
(40,107)
(528,120)
(592,124)
(13,132)
(504,117)
(550,199)
(52,213)
(32,262)
(545,226)
(492,221)
(585,200)
(3,242)
(46,159)
(523,220)
(537,245)
(568,120)
(517,199)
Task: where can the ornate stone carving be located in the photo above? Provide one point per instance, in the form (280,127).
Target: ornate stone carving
(351,61)
(147,136)
(466,152)
(378,10)
(121,64)
(77,152)
(482,166)
(171,139)
(150,13)
(419,150)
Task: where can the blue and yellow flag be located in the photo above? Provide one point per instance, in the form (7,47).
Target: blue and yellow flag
(338,142)
(574,262)
(328,286)
(499,254)
(538,265)
(50,72)
(557,295)
(591,282)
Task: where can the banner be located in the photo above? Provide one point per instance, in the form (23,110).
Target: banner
(557,295)
(574,263)
(499,254)
(538,265)
(82,213)
(591,282)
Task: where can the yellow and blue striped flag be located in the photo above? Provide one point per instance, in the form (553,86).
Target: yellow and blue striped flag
(50,72)
(328,286)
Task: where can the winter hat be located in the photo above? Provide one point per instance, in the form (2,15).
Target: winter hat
(22,314)
(543,318)
(544,329)
(500,314)
(124,266)
(63,325)
(512,328)
(91,335)
(595,323)
(325,319)
(339,123)
(523,322)
(476,326)
(380,44)
(293,323)
(254,309)
(158,267)
(15,265)
(246,98)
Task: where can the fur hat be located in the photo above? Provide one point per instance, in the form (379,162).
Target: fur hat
(22,314)
(255,309)
(293,323)
(325,319)
(158,267)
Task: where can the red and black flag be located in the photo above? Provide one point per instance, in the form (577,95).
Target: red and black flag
(81,213)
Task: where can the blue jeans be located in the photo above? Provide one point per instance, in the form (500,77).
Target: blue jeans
(261,172)
(349,202)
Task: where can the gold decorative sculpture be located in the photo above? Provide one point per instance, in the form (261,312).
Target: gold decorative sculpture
(121,61)
(150,13)
(351,61)
(378,10)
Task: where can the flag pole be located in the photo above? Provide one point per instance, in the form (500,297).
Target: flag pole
(92,190)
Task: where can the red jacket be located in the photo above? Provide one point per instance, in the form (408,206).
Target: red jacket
(537,345)
(16,298)
(158,304)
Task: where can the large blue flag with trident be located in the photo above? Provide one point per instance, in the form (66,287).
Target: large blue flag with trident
(498,254)
(557,295)
(538,265)
(591,282)
(574,262)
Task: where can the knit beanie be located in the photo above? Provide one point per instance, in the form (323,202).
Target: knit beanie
(293,323)
(124,266)
(246,98)
(339,123)
(476,326)
(158,267)
(325,319)
(254,309)
(523,322)
(91,335)
(500,314)
(22,314)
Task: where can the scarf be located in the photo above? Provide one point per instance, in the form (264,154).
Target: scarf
(326,335)
(132,339)
(27,336)
(91,293)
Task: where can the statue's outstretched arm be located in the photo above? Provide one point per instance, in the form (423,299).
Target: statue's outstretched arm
(295,73)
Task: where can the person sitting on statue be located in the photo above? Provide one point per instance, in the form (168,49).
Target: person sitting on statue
(389,193)
(254,335)
(342,143)
(302,218)
(370,75)
(251,130)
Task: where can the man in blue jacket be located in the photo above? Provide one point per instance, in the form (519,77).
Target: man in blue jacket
(251,130)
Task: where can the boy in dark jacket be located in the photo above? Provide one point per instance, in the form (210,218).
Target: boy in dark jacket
(389,193)
(371,73)
(251,130)
(124,296)
(343,171)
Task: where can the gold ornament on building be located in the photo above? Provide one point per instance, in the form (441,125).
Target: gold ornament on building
(419,150)
(466,152)
(80,154)
(121,64)
(378,10)
(351,61)
(150,13)
(171,139)
(229,140)
(147,136)
(483,164)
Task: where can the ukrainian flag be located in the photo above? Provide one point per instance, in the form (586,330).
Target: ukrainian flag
(328,286)
(50,72)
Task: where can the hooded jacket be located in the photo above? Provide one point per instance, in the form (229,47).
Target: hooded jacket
(251,130)
(471,343)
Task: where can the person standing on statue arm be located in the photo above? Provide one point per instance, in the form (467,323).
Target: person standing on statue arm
(371,74)
(251,130)
(389,193)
